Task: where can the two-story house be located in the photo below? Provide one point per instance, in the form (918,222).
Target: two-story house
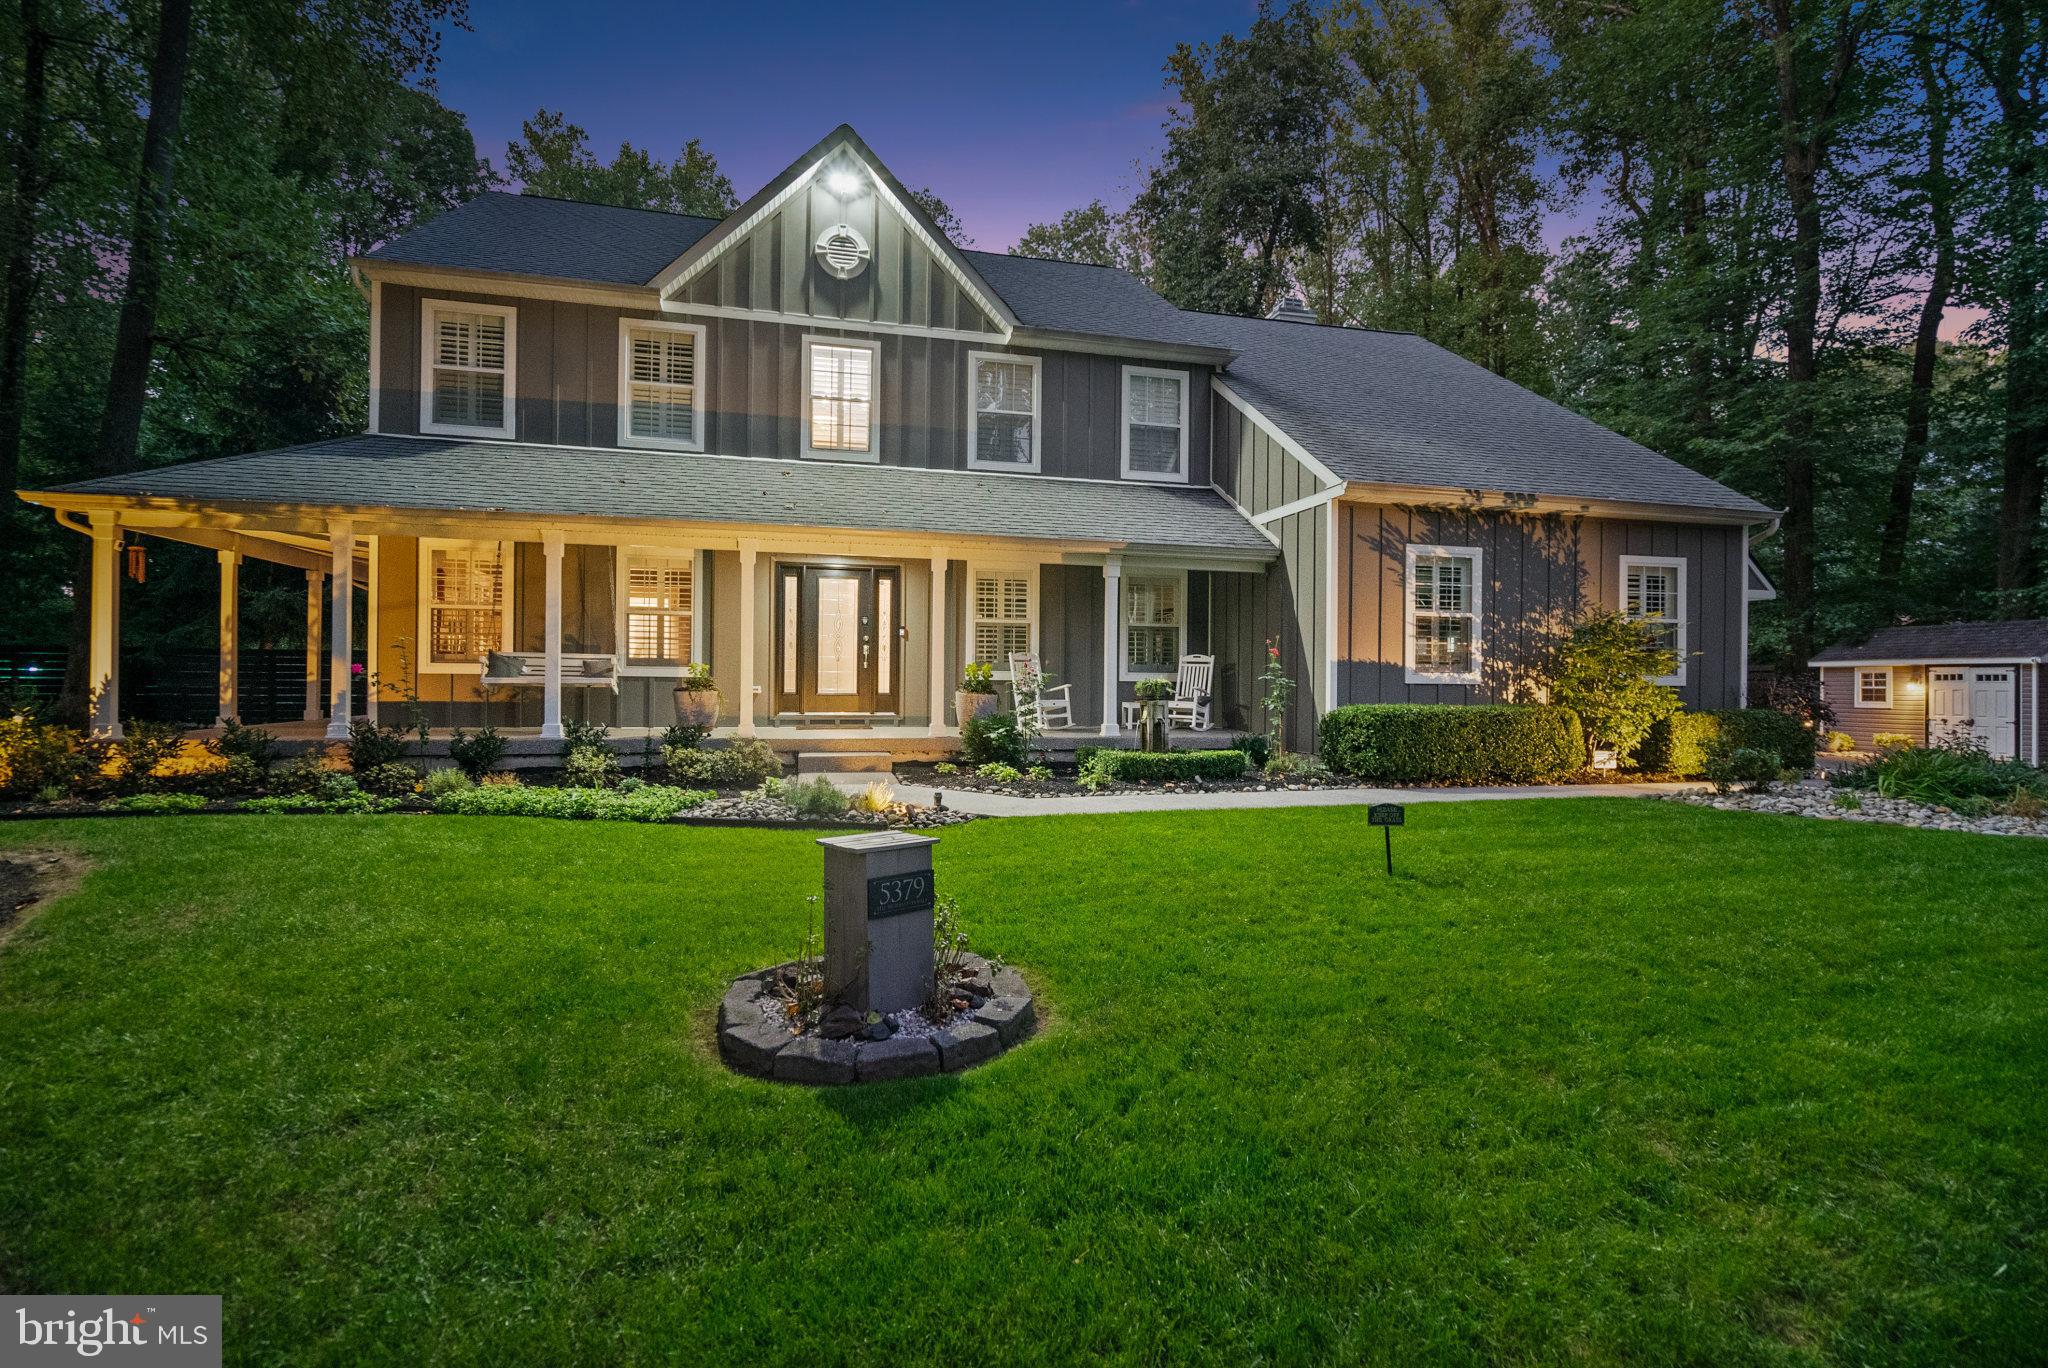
(820,448)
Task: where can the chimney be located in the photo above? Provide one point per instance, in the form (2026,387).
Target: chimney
(1290,309)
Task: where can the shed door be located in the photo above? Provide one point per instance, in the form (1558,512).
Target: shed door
(1948,704)
(1993,719)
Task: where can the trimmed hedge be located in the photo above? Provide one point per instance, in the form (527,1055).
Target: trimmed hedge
(1157,767)
(1680,743)
(1440,743)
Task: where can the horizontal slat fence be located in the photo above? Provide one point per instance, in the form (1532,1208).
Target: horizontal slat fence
(179,685)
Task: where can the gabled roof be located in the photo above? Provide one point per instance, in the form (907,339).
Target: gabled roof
(528,235)
(1961,642)
(456,476)
(1087,301)
(1392,409)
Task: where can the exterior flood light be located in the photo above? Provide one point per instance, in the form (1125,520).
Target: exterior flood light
(843,183)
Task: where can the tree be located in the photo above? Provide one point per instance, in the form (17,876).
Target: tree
(1605,671)
(1091,234)
(942,216)
(552,157)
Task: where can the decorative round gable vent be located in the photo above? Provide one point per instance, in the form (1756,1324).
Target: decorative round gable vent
(842,251)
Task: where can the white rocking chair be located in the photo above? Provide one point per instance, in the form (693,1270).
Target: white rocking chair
(1190,704)
(1053,705)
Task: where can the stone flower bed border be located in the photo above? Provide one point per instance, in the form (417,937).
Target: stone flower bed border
(1807,800)
(724,811)
(751,1043)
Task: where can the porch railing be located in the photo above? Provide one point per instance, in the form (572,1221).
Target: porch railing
(180,685)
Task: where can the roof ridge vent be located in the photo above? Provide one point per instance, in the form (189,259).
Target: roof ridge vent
(1290,309)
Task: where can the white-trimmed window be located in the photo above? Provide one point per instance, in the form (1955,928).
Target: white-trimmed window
(468,361)
(1002,392)
(463,604)
(1155,424)
(658,609)
(1443,623)
(1000,612)
(661,395)
(839,398)
(1653,593)
(1873,686)
(1154,624)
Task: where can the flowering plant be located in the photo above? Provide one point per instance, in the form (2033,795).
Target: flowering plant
(1279,689)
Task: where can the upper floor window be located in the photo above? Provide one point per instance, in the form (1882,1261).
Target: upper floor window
(659,608)
(1653,593)
(1443,626)
(839,399)
(660,399)
(1155,424)
(462,604)
(467,364)
(1003,392)
(1155,619)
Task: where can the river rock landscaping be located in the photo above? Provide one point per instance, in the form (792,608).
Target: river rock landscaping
(1849,805)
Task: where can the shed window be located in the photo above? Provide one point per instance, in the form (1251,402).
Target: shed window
(659,395)
(1653,593)
(1443,627)
(658,609)
(1004,393)
(464,602)
(1874,688)
(468,352)
(1154,612)
(1002,616)
(840,403)
(1155,424)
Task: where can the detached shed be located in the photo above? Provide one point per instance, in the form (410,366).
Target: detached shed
(1933,681)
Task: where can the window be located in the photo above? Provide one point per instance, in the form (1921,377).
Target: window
(462,604)
(839,399)
(660,402)
(1001,616)
(467,363)
(1874,687)
(1443,615)
(1154,624)
(659,609)
(1653,593)
(1155,424)
(1003,392)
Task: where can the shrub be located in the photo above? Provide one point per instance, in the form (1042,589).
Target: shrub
(1682,743)
(1889,741)
(994,739)
(445,781)
(1605,670)
(1258,750)
(654,803)
(744,762)
(1433,743)
(1294,765)
(395,779)
(999,772)
(1157,767)
(143,748)
(353,801)
(683,735)
(1848,802)
(581,735)
(1947,776)
(1746,767)
(586,767)
(476,753)
(253,744)
(685,764)
(372,744)
(35,756)
(813,797)
(1837,742)
(160,803)
(239,776)
(1040,773)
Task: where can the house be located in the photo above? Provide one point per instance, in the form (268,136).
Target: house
(820,448)
(1937,681)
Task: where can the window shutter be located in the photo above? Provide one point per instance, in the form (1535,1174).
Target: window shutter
(661,385)
(1002,616)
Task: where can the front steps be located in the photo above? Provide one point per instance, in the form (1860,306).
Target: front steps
(843,762)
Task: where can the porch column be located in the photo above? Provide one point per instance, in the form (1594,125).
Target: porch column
(938,650)
(747,588)
(1112,586)
(341,584)
(551,642)
(230,632)
(314,589)
(103,649)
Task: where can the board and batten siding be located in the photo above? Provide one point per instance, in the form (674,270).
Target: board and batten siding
(751,376)
(1539,574)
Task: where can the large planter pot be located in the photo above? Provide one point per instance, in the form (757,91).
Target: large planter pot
(697,707)
(1151,724)
(969,706)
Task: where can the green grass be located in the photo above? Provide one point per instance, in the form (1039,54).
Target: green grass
(1588,1079)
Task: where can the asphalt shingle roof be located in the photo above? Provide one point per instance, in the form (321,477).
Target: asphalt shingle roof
(528,235)
(505,477)
(1390,408)
(2023,639)
(1073,297)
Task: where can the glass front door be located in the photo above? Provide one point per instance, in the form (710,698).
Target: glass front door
(836,644)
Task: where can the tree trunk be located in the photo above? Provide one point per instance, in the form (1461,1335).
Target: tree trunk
(19,299)
(1898,520)
(135,334)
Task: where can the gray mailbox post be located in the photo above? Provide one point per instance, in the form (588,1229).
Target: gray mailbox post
(879,896)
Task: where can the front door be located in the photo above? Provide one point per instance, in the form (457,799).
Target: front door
(837,647)
(1974,705)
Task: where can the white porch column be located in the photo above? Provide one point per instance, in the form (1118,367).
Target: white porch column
(230,633)
(103,651)
(747,589)
(372,685)
(938,647)
(341,584)
(1112,596)
(551,642)
(314,589)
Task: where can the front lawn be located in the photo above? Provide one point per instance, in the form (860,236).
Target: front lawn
(1589,1079)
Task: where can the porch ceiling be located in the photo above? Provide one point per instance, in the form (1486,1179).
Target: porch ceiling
(357,475)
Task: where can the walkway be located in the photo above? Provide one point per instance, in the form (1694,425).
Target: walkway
(1003,805)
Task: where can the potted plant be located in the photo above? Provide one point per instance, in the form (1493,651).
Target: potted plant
(1153,696)
(697,697)
(976,696)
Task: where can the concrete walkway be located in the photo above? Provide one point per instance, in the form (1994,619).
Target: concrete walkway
(1003,805)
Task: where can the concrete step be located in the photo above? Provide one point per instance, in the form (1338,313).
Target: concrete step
(843,762)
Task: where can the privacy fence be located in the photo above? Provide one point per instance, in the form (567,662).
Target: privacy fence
(180,685)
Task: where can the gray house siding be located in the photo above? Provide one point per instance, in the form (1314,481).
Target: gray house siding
(1252,467)
(568,378)
(1539,575)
